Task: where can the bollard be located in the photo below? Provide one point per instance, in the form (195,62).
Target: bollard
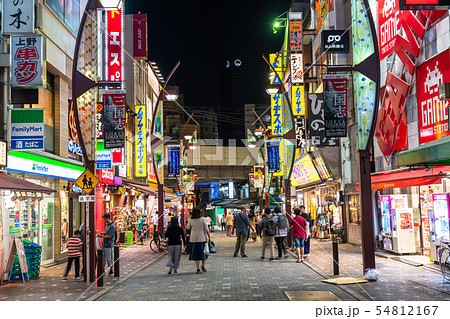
(100,268)
(335,258)
(116,262)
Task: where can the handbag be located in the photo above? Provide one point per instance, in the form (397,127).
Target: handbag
(212,248)
(164,244)
(206,249)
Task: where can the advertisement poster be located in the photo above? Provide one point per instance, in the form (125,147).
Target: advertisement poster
(174,160)
(74,148)
(259,176)
(303,172)
(159,124)
(322,9)
(115,115)
(388,26)
(335,105)
(27,66)
(296,35)
(273,154)
(405,221)
(317,122)
(297,68)
(140,139)
(68,11)
(433,113)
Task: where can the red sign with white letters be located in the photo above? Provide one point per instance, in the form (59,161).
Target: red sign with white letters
(114,45)
(433,113)
(106,176)
(388,26)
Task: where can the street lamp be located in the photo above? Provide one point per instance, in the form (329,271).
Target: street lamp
(171,95)
(273,89)
(188,137)
(111,4)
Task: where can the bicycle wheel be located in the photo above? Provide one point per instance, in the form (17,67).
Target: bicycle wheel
(445,266)
(154,245)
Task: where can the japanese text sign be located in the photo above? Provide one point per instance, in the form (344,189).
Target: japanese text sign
(335,105)
(106,176)
(300,131)
(27,67)
(174,160)
(140,141)
(104,159)
(388,26)
(115,115)
(140,48)
(303,172)
(317,122)
(114,45)
(433,113)
(298,100)
(296,35)
(277,114)
(27,129)
(99,122)
(273,156)
(296,68)
(18,17)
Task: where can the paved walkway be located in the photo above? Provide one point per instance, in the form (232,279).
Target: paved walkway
(398,281)
(50,286)
(227,278)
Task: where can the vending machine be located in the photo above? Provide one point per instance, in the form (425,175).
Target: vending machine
(439,223)
(386,222)
(403,231)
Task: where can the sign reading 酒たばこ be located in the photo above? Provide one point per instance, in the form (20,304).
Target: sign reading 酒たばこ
(27,129)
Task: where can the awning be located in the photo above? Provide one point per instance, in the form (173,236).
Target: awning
(407,177)
(436,152)
(17,184)
(142,188)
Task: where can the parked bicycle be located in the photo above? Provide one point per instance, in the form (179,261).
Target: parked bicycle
(444,260)
(158,243)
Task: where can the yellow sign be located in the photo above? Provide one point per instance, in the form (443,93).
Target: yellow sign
(298,100)
(87,181)
(140,153)
(303,172)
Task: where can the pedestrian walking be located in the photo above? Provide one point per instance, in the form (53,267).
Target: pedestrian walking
(241,223)
(306,216)
(108,243)
(281,232)
(198,239)
(74,247)
(229,222)
(258,220)
(298,225)
(222,222)
(268,229)
(139,227)
(252,218)
(209,222)
(175,235)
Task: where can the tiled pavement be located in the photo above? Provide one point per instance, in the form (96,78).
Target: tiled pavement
(227,278)
(49,285)
(398,281)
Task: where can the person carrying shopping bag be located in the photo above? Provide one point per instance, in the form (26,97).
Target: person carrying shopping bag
(198,239)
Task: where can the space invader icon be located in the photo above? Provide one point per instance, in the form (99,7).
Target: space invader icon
(388,7)
(433,80)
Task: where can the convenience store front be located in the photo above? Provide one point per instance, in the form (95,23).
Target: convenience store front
(40,217)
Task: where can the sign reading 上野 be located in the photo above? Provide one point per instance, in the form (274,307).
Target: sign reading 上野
(27,67)
(273,156)
(87,181)
(303,172)
(298,100)
(433,113)
(140,49)
(114,45)
(140,141)
(335,105)
(27,129)
(173,160)
(115,115)
(17,16)
(388,26)
(317,122)
(335,41)
(297,68)
(296,35)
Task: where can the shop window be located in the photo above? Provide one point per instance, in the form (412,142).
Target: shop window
(430,43)
(353,209)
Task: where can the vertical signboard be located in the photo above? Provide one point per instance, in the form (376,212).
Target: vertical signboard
(73,144)
(433,113)
(27,129)
(335,105)
(3,151)
(118,157)
(322,9)
(298,100)
(296,35)
(27,66)
(297,68)
(388,26)
(114,45)
(115,115)
(273,155)
(140,50)
(18,16)
(317,122)
(159,122)
(140,142)
(99,122)
(173,160)
(300,131)
(104,159)
(277,114)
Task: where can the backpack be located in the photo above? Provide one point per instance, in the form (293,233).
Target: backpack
(270,227)
(282,221)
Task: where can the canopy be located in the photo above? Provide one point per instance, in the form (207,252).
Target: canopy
(436,152)
(142,188)
(17,184)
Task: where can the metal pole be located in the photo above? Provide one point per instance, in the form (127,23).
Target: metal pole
(116,262)
(287,194)
(267,200)
(183,224)
(92,230)
(160,209)
(335,258)
(100,268)
(367,232)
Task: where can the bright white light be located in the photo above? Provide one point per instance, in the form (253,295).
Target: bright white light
(171,97)
(111,3)
(188,137)
(272,90)
(251,145)
(258,133)
(192,147)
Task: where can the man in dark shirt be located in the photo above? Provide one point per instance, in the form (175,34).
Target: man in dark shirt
(241,223)
(108,242)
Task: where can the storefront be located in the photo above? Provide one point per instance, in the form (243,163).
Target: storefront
(43,219)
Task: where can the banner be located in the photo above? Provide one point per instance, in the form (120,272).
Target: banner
(115,115)
(273,154)
(174,160)
(277,114)
(298,100)
(317,123)
(159,122)
(297,68)
(322,9)
(27,66)
(303,172)
(73,144)
(300,131)
(388,26)
(99,122)
(140,140)
(17,17)
(258,174)
(114,45)
(335,105)
(140,49)
(433,113)
(296,35)
(27,129)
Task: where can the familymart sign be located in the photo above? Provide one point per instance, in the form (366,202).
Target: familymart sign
(27,129)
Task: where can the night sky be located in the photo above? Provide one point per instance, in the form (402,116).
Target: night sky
(201,34)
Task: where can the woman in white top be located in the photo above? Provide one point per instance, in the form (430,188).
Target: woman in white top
(199,235)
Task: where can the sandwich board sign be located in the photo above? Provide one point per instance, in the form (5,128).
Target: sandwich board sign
(87,181)
(16,248)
